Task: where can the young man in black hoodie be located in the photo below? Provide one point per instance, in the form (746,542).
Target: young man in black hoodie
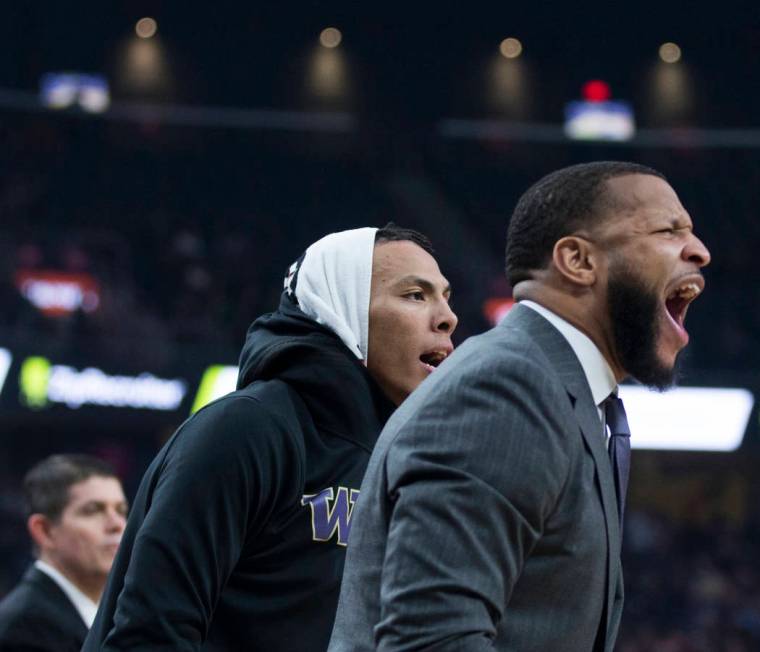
(237,536)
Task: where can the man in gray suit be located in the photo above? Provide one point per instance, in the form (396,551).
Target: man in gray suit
(490,517)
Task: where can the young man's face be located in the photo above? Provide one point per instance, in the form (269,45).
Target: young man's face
(652,277)
(410,321)
(83,541)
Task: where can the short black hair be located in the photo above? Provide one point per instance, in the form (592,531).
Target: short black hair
(393,233)
(47,483)
(556,206)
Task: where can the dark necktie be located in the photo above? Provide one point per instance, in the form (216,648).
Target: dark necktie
(619,449)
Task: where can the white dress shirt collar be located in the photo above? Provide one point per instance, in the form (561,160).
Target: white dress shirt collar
(84,606)
(598,373)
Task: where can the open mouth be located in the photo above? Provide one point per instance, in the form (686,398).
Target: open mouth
(677,302)
(432,359)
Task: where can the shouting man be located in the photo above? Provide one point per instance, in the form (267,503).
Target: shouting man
(491,514)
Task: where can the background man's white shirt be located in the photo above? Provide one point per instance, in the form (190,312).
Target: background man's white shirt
(86,607)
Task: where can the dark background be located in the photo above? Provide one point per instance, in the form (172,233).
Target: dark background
(234,140)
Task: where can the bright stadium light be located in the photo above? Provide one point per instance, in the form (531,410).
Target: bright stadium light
(670,52)
(330,37)
(688,418)
(5,363)
(63,90)
(59,90)
(146,27)
(327,75)
(597,116)
(510,48)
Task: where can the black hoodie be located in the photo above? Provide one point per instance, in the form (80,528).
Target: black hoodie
(236,539)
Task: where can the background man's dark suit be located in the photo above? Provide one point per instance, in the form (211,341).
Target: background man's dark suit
(487,519)
(37,616)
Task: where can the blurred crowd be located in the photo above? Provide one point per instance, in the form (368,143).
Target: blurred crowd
(693,588)
(188,233)
(188,236)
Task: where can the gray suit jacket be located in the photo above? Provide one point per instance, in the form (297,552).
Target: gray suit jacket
(487,519)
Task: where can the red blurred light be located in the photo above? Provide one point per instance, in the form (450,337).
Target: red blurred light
(596,90)
(495,308)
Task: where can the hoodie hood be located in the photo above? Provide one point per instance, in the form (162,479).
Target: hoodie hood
(336,387)
(332,281)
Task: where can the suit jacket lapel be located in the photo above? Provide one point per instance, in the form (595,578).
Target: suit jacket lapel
(66,611)
(588,419)
(569,369)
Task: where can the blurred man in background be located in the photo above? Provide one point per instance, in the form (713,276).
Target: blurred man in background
(77,514)
(238,533)
(491,513)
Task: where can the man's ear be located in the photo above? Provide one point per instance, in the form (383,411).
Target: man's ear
(576,259)
(39,527)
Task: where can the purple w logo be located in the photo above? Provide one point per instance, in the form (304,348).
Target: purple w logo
(330,514)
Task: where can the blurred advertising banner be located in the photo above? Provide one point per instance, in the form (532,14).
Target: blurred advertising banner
(45,386)
(35,385)
(58,293)
(42,383)
(684,418)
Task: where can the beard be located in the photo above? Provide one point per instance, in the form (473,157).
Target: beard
(633,310)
